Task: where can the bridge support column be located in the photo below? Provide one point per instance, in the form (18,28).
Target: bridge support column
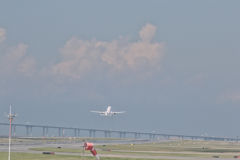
(29,131)
(150,136)
(122,134)
(92,133)
(59,132)
(14,130)
(107,134)
(154,136)
(44,132)
(63,132)
(137,135)
(75,132)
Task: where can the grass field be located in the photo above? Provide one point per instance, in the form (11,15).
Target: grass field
(28,156)
(203,149)
(178,148)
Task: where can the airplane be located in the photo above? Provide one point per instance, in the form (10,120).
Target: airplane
(108,112)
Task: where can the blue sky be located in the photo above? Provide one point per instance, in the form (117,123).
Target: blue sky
(172,65)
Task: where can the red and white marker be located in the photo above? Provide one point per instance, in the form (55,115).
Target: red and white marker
(89,146)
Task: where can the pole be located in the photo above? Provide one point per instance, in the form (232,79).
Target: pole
(10,117)
(10,134)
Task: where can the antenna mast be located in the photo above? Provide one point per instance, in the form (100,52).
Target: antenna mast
(10,117)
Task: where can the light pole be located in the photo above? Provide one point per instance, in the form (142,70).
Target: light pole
(10,117)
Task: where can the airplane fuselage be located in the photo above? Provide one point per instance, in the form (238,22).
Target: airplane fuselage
(108,112)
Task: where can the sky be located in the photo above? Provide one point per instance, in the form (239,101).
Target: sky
(173,66)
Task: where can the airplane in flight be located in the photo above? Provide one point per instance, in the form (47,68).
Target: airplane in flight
(108,112)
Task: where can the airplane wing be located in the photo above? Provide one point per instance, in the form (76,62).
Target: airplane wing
(101,112)
(118,112)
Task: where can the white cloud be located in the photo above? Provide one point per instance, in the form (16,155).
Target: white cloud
(231,96)
(80,57)
(27,66)
(147,32)
(15,60)
(2,35)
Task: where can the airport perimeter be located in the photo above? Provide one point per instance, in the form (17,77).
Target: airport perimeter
(110,144)
(119,149)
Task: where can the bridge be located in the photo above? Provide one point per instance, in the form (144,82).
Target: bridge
(77,132)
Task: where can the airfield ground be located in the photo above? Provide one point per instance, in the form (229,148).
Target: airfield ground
(109,149)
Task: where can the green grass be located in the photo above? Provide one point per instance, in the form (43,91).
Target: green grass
(131,153)
(187,148)
(204,149)
(179,146)
(28,156)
